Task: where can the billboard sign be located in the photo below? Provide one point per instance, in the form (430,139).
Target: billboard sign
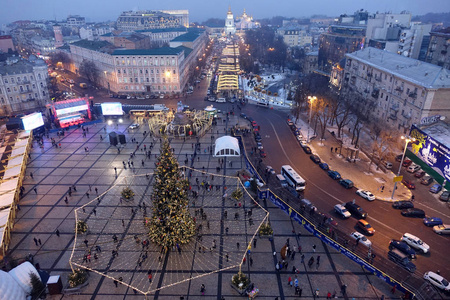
(112,109)
(32,121)
(432,152)
(73,109)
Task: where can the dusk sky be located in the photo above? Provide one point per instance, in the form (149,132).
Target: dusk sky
(200,10)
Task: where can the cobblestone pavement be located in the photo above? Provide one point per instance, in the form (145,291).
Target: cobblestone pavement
(57,169)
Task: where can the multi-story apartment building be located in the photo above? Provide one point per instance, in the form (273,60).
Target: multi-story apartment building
(438,50)
(310,62)
(41,45)
(127,40)
(23,85)
(182,14)
(76,21)
(396,90)
(163,36)
(294,35)
(141,20)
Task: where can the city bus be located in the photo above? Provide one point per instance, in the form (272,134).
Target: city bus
(292,178)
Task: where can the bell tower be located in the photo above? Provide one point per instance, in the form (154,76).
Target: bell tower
(230,28)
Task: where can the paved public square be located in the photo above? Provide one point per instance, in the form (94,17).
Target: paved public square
(89,162)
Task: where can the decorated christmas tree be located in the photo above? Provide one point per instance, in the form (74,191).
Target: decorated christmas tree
(171,223)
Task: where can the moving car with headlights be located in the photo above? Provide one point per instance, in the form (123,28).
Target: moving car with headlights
(403,204)
(403,247)
(415,242)
(401,259)
(365,226)
(413,213)
(366,195)
(356,210)
(437,280)
(362,239)
(432,221)
(442,229)
(134,126)
(342,211)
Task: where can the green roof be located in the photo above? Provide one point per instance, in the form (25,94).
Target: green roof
(156,30)
(92,45)
(157,51)
(191,36)
(186,50)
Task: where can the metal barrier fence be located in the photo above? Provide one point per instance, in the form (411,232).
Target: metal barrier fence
(411,284)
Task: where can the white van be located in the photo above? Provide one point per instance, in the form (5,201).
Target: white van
(221,100)
(388,165)
(413,168)
(282,180)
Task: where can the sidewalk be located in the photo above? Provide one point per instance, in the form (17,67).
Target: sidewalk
(358,171)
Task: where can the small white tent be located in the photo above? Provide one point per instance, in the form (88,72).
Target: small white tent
(227,146)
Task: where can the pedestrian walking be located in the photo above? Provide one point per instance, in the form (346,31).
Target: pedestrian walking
(115,282)
(66,200)
(35,241)
(202,289)
(57,232)
(331,149)
(303,259)
(35,190)
(293,255)
(314,248)
(251,261)
(393,289)
(31,175)
(96,189)
(328,295)
(254,243)
(237,245)
(226,256)
(86,242)
(95,212)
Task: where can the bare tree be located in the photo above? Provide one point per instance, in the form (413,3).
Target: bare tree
(89,70)
(383,142)
(323,111)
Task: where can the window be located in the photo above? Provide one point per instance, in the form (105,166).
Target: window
(147,80)
(174,71)
(8,90)
(140,71)
(33,86)
(131,79)
(135,79)
(39,76)
(12,80)
(118,71)
(35,95)
(6,80)
(42,85)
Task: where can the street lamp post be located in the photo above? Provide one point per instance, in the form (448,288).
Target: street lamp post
(407,140)
(311,100)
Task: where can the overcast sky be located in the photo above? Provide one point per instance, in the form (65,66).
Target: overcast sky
(200,10)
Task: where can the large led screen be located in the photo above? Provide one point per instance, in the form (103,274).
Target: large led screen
(32,121)
(112,109)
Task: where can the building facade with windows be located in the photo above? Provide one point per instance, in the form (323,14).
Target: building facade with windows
(23,85)
(438,50)
(144,71)
(163,36)
(141,20)
(397,91)
(76,21)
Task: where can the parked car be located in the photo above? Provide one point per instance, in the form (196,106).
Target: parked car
(432,221)
(413,213)
(437,280)
(134,126)
(388,165)
(413,168)
(445,196)
(303,144)
(399,157)
(366,195)
(270,170)
(315,158)
(426,180)
(259,145)
(307,150)
(403,247)
(403,204)
(409,184)
(347,183)
(435,188)
(365,226)
(262,153)
(415,242)
(419,174)
(342,211)
(334,174)
(401,259)
(356,210)
(442,229)
(324,166)
(407,162)
(362,239)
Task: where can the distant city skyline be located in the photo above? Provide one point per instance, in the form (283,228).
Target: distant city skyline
(199,10)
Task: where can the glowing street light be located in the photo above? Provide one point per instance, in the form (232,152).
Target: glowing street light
(407,140)
(311,100)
